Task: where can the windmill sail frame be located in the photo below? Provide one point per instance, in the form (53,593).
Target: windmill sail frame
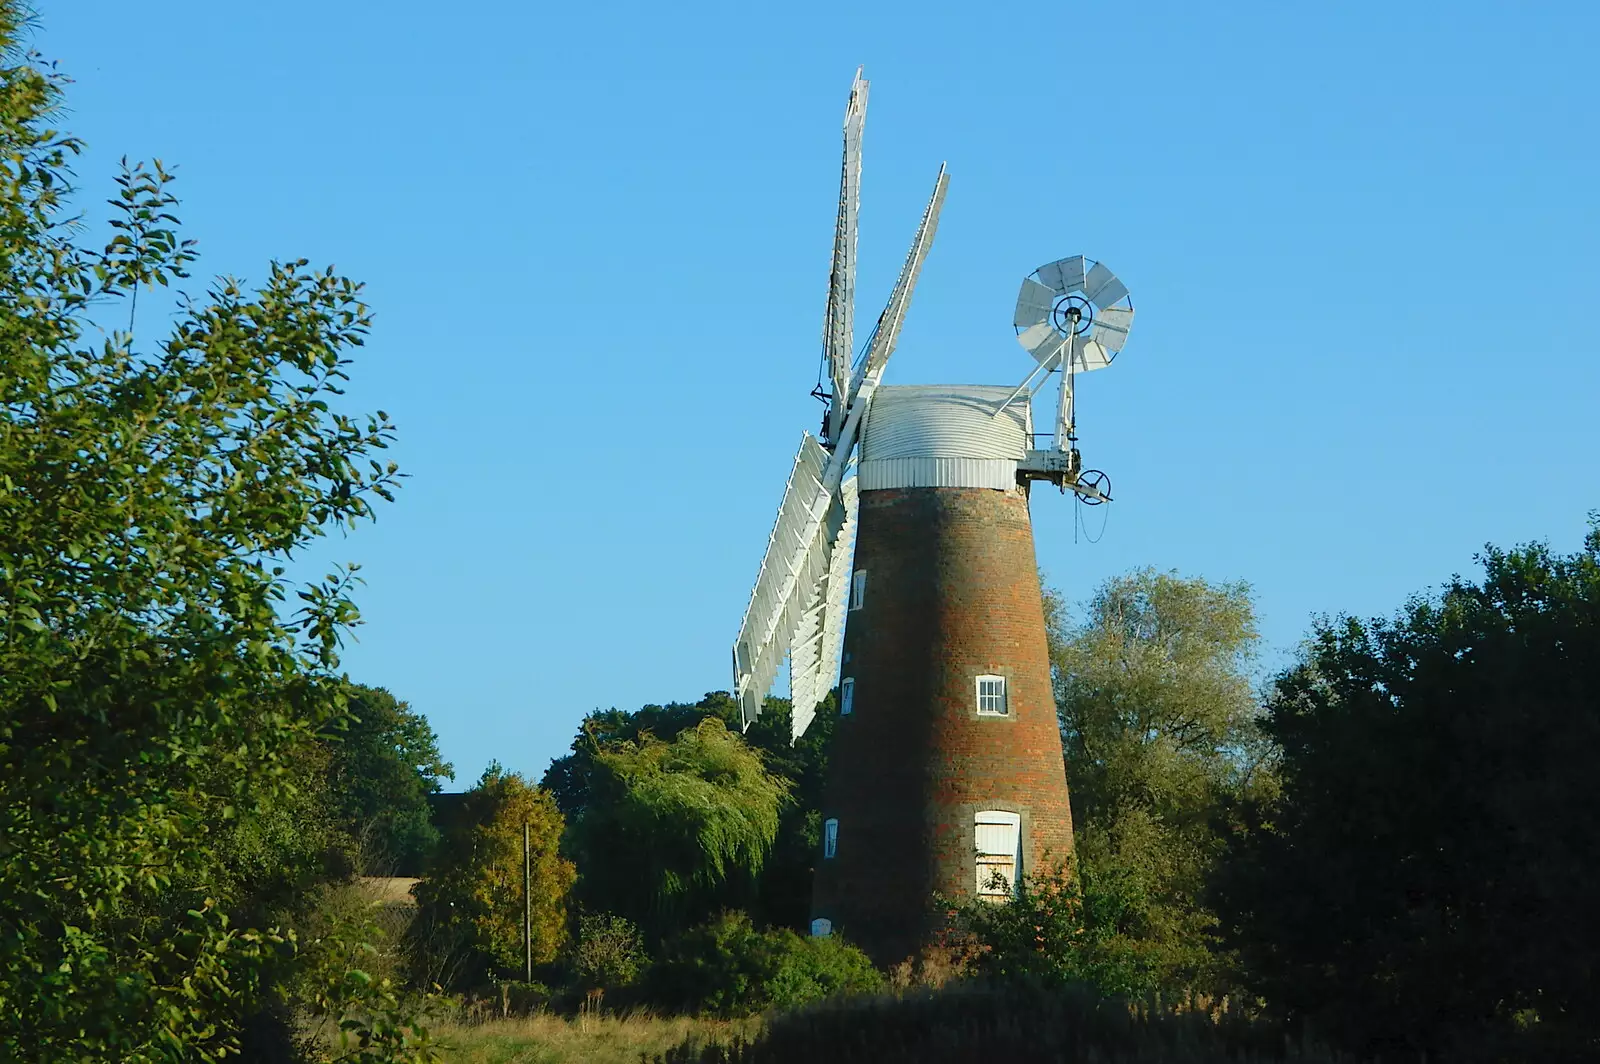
(838,327)
(796,607)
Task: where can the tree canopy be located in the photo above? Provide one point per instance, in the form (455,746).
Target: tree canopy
(1158,721)
(468,926)
(163,678)
(668,825)
(1426,882)
(383,763)
(781,894)
(568,778)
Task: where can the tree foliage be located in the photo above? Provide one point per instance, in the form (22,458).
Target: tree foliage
(1158,722)
(469,923)
(383,763)
(666,826)
(159,692)
(728,968)
(782,893)
(1426,883)
(609,952)
(1067,926)
(569,778)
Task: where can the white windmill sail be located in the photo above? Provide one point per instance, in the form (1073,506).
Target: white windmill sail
(814,658)
(887,332)
(838,327)
(793,559)
(796,583)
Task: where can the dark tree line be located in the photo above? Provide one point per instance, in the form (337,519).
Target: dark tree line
(1425,883)
(1391,849)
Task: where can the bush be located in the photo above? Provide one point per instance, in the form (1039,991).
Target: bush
(727,968)
(609,954)
(1065,927)
(1017,1023)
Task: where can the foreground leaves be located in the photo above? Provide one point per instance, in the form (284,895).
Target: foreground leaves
(161,675)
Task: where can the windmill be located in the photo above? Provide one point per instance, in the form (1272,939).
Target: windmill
(946,775)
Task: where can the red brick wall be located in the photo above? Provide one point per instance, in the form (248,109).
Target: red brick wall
(952,593)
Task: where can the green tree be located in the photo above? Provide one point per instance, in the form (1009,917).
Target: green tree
(383,765)
(468,927)
(1425,884)
(157,692)
(782,893)
(669,828)
(568,778)
(1159,724)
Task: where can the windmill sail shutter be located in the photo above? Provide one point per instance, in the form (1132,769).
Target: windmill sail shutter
(814,657)
(791,569)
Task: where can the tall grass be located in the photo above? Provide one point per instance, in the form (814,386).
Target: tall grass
(546,1039)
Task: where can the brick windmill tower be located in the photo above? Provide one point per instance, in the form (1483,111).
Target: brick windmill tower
(946,772)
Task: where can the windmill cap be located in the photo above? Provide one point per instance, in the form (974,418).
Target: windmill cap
(942,435)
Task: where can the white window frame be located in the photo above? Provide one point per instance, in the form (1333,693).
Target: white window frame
(858,589)
(985,864)
(830,837)
(847,696)
(986,702)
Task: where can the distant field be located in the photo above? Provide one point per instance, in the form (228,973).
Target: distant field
(546,1039)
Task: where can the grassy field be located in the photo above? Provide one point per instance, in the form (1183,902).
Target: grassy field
(545,1039)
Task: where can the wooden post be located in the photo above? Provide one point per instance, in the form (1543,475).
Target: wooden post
(527,900)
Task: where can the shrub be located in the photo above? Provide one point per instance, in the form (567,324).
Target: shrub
(609,953)
(728,968)
(1064,927)
(812,969)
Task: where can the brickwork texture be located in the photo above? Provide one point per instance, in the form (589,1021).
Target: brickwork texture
(952,593)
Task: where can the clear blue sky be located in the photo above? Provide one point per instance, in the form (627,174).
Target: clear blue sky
(1361,239)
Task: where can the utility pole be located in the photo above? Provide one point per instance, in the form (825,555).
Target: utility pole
(527,899)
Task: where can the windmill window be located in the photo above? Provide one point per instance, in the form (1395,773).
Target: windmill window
(998,839)
(830,837)
(858,589)
(992,696)
(821,927)
(847,697)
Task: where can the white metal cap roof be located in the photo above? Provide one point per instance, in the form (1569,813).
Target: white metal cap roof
(942,436)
